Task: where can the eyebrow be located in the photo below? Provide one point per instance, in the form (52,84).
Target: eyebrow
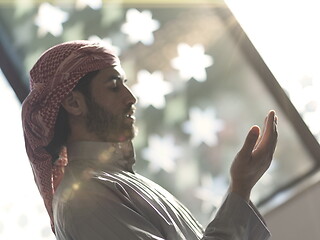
(113,77)
(117,77)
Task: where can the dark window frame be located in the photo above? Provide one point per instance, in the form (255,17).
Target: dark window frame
(255,60)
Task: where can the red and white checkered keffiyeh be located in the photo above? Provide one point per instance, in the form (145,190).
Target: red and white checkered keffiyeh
(52,78)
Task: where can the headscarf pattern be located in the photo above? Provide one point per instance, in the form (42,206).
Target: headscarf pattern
(52,78)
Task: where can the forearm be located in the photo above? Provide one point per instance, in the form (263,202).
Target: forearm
(236,220)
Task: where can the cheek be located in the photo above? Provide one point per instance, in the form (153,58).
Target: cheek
(110,101)
(103,98)
(108,104)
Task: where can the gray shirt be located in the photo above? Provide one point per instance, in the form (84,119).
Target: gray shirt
(100,198)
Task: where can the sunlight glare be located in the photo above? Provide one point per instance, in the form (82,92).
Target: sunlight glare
(286,36)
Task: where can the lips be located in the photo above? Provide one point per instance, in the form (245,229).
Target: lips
(130,113)
(130,116)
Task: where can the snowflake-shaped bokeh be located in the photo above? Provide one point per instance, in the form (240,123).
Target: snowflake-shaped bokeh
(211,191)
(192,62)
(161,153)
(203,126)
(106,42)
(151,89)
(140,26)
(49,19)
(94,4)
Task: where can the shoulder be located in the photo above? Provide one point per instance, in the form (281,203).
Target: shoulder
(88,189)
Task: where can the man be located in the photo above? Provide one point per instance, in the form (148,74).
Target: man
(80,114)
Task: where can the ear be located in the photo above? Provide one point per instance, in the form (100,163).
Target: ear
(75,103)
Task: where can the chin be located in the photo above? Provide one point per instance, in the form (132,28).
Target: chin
(128,134)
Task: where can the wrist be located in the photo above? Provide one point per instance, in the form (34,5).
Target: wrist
(242,192)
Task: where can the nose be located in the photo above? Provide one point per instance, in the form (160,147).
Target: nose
(130,97)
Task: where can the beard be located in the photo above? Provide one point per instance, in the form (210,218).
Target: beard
(108,126)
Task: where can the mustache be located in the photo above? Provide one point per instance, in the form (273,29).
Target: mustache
(130,108)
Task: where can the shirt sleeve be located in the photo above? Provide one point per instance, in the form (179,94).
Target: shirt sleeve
(97,212)
(236,220)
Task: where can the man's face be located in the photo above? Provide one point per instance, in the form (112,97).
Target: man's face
(111,106)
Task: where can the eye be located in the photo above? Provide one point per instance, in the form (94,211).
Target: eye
(116,83)
(113,85)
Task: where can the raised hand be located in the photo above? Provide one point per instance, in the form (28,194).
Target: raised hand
(254,158)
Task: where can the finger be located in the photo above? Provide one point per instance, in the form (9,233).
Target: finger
(268,138)
(250,142)
(275,133)
(262,133)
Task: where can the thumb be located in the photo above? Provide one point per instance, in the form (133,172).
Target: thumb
(250,141)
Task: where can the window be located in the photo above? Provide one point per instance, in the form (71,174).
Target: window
(22,211)
(206,92)
(289,44)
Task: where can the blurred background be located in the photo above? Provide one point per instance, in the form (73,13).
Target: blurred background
(203,71)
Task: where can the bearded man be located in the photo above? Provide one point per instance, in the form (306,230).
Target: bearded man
(78,124)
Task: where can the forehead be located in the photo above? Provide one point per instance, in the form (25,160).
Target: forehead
(110,72)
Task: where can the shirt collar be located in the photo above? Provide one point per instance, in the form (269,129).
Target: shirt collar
(102,155)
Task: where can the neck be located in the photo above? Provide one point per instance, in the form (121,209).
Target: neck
(119,155)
